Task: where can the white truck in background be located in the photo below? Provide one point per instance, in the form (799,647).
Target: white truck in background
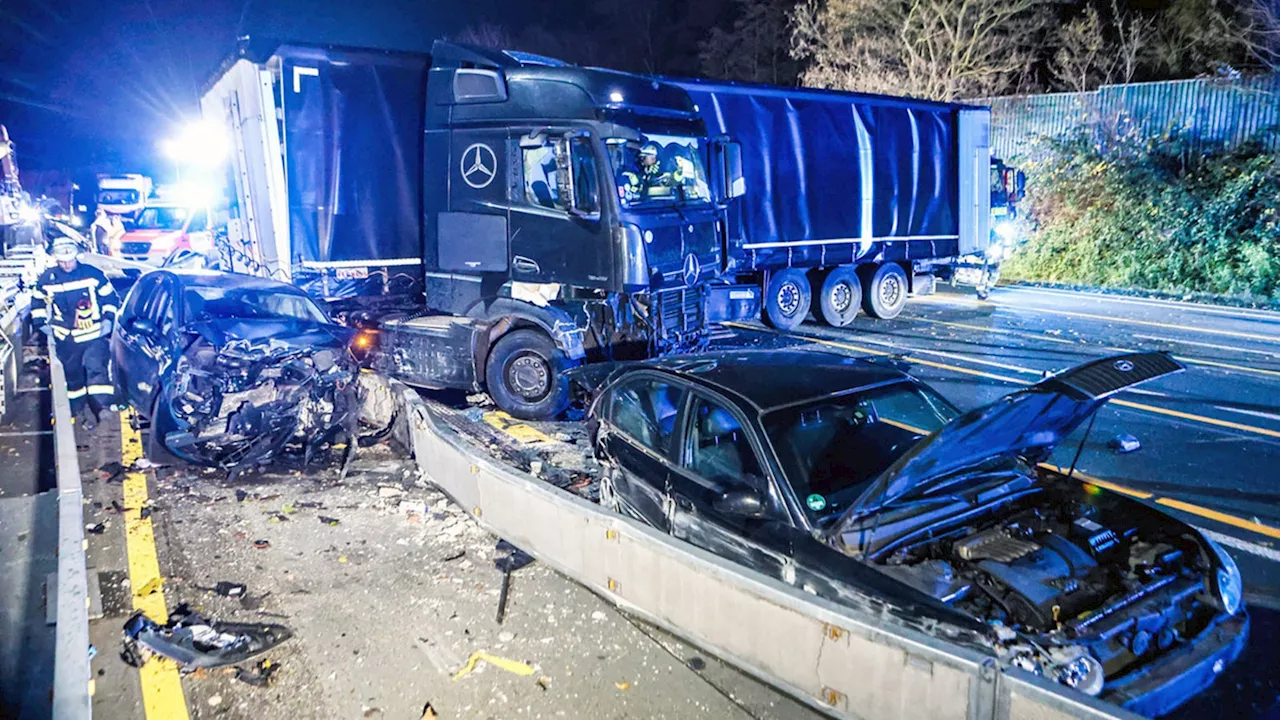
(123,194)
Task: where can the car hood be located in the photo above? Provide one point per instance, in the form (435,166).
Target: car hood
(1026,423)
(219,331)
(148,235)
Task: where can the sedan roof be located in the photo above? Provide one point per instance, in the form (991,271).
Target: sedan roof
(770,379)
(196,277)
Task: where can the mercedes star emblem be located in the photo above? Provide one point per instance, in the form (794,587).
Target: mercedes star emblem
(692,269)
(1122,365)
(479,165)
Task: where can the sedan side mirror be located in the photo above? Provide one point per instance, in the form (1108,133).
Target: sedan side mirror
(143,326)
(740,503)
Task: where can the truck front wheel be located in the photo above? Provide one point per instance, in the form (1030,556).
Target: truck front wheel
(525,375)
(786,300)
(886,292)
(839,297)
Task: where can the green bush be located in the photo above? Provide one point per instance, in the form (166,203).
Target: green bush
(1153,215)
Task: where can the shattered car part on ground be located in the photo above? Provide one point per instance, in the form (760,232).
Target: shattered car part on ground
(853,480)
(195,642)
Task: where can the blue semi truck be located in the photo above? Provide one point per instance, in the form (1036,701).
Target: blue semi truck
(851,201)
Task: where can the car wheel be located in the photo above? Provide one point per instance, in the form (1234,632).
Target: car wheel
(839,297)
(786,301)
(886,293)
(162,423)
(525,375)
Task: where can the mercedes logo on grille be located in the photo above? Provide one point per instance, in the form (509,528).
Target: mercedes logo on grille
(479,165)
(1122,365)
(692,269)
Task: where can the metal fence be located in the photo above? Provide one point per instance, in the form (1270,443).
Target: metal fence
(1207,112)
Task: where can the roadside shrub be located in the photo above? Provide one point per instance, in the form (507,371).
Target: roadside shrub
(1152,214)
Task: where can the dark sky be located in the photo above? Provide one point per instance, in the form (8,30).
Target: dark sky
(99,82)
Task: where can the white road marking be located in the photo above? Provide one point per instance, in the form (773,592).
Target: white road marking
(1254,413)
(29,433)
(1252,548)
(1153,302)
(1213,346)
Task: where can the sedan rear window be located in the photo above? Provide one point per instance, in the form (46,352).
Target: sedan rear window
(832,449)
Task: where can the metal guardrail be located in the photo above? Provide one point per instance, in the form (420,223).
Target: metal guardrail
(72,678)
(845,661)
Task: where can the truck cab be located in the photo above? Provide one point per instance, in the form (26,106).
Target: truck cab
(534,215)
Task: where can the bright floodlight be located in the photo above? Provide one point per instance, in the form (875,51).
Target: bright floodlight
(615,96)
(200,143)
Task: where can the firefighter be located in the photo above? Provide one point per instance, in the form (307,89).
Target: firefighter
(77,306)
(646,175)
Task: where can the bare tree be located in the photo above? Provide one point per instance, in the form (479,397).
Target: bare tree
(1197,36)
(941,49)
(755,48)
(1262,19)
(1133,43)
(1083,60)
(485,35)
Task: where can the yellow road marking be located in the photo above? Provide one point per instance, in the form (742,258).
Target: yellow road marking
(162,696)
(1017,333)
(1243,313)
(1140,494)
(1221,517)
(1197,418)
(516,429)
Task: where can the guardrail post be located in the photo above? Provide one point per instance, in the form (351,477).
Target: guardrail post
(72,699)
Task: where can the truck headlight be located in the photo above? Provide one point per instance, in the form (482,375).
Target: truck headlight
(995,252)
(29,214)
(1006,230)
(1230,585)
(163,243)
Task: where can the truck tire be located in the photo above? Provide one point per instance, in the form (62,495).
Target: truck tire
(525,375)
(786,300)
(885,292)
(839,297)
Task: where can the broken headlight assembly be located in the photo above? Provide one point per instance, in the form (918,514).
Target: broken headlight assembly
(1229,586)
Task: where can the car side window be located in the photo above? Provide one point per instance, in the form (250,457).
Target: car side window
(645,411)
(138,298)
(160,309)
(719,450)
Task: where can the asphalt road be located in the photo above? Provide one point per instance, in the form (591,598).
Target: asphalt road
(383,603)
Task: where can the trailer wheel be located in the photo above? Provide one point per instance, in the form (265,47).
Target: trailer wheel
(786,301)
(886,292)
(839,297)
(526,377)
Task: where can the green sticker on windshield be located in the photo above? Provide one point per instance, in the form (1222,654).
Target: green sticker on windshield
(815,502)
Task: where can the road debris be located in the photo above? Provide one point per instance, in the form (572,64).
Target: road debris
(261,675)
(96,529)
(330,521)
(195,642)
(511,666)
(623,686)
(261,544)
(225,588)
(1124,443)
(509,560)
(428,713)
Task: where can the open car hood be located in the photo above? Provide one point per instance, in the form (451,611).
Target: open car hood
(1025,423)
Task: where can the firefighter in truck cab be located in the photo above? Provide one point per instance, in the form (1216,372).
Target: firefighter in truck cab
(78,307)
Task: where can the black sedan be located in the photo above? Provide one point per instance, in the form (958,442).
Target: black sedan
(231,368)
(848,478)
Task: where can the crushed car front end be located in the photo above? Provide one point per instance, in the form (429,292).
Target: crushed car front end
(241,400)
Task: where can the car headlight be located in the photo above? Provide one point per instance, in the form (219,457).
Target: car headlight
(1230,584)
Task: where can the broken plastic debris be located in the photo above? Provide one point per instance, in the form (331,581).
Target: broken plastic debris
(428,713)
(330,521)
(1124,443)
(195,642)
(261,674)
(228,589)
(97,529)
(262,544)
(624,685)
(511,666)
(388,491)
(142,464)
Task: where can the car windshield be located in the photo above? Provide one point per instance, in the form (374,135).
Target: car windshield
(832,449)
(250,303)
(659,169)
(162,218)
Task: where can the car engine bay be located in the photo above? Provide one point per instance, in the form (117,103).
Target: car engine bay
(246,401)
(1075,588)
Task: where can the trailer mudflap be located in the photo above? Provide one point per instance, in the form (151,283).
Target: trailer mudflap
(437,351)
(733,302)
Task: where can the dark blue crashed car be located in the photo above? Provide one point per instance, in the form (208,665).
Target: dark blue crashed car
(231,369)
(853,481)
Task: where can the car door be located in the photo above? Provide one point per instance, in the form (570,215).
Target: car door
(639,435)
(128,357)
(156,343)
(720,470)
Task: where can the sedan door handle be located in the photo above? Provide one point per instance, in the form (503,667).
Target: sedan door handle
(685,504)
(525,265)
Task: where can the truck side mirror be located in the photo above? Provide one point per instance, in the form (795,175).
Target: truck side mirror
(735,183)
(567,183)
(1020,185)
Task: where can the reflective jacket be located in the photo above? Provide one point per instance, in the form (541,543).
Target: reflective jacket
(74,303)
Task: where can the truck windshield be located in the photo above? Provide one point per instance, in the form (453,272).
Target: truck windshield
(659,169)
(833,449)
(163,218)
(125,196)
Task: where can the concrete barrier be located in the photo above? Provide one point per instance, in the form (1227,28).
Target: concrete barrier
(72,678)
(843,661)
